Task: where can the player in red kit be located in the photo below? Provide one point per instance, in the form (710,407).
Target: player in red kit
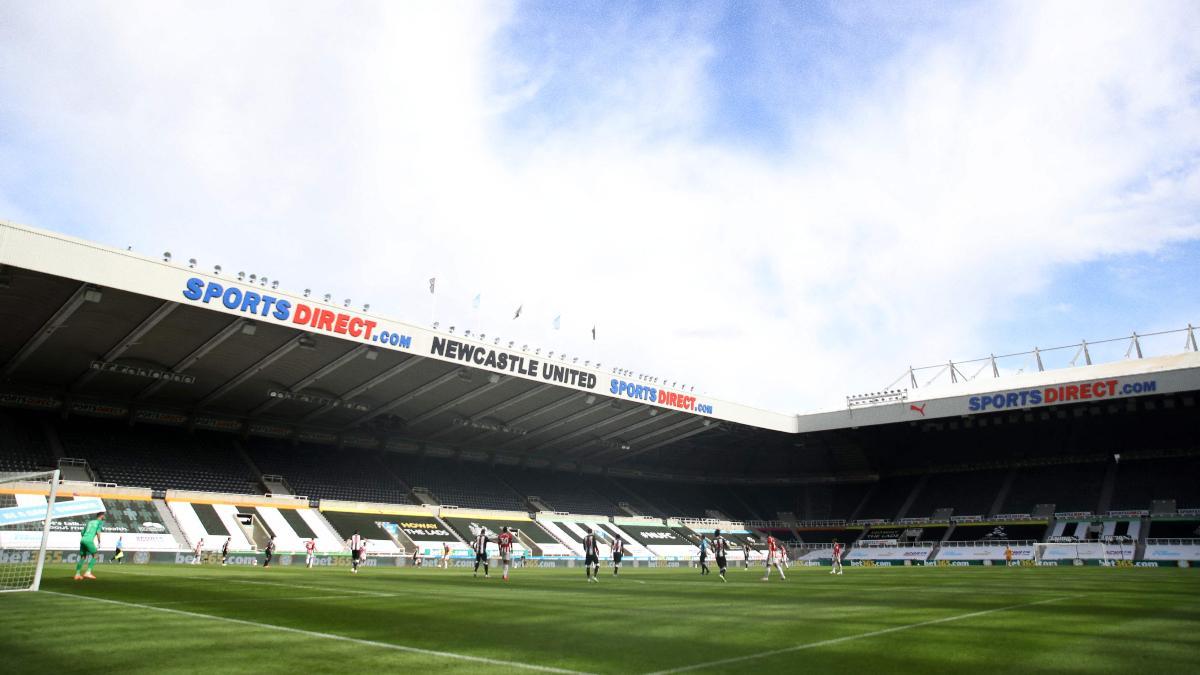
(505,542)
(310,549)
(773,558)
(837,558)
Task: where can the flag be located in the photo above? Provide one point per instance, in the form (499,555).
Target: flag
(517,315)
(557,321)
(593,332)
(475,302)
(432,283)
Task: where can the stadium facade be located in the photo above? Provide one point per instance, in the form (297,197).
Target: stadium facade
(200,405)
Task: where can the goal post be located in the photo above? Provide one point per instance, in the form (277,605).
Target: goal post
(1058,550)
(25,529)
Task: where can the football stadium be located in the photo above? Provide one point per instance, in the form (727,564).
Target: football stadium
(601,336)
(290,483)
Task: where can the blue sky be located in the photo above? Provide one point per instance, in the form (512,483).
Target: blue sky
(780,202)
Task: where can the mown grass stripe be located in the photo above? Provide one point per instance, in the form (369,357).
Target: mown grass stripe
(326,636)
(851,638)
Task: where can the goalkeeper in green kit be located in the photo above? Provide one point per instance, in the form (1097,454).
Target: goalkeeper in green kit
(89,545)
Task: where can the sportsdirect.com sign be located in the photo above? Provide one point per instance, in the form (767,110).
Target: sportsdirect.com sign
(1065,393)
(258,304)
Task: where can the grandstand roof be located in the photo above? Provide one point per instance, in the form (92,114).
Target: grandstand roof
(102,331)
(110,332)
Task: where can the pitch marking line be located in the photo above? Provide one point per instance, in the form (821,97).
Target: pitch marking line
(325,636)
(331,589)
(215,579)
(850,638)
(237,600)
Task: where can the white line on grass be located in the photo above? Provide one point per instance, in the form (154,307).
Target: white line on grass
(850,638)
(325,636)
(349,591)
(216,579)
(272,599)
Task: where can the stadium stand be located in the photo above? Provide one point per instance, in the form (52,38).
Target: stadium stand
(315,471)
(889,496)
(766,502)
(458,483)
(367,525)
(968,493)
(158,457)
(23,445)
(905,533)
(163,457)
(999,531)
(1175,528)
(636,503)
(1070,487)
(1142,481)
(561,491)
(692,500)
(826,535)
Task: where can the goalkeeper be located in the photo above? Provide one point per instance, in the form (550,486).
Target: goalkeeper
(89,544)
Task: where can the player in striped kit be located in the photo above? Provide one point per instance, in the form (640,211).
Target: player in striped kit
(481,553)
(591,556)
(356,546)
(720,547)
(618,551)
(773,558)
(505,541)
(837,558)
(310,549)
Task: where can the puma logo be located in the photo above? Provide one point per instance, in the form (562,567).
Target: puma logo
(918,408)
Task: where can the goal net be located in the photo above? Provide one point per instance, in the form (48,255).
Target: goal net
(24,528)
(1107,550)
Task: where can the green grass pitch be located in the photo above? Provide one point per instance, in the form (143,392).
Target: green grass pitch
(160,619)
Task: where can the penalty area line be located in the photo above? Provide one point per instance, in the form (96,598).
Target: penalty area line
(324,636)
(858,636)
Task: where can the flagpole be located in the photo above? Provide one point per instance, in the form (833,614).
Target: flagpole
(432,300)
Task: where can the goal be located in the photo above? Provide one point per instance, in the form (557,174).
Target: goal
(24,528)
(1072,550)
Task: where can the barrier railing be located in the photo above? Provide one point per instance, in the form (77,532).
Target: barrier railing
(987,543)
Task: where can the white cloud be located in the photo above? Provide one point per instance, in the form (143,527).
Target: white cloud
(367,151)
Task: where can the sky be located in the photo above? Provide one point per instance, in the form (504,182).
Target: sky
(778,203)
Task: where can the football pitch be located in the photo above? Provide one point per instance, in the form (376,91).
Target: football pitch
(183,618)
